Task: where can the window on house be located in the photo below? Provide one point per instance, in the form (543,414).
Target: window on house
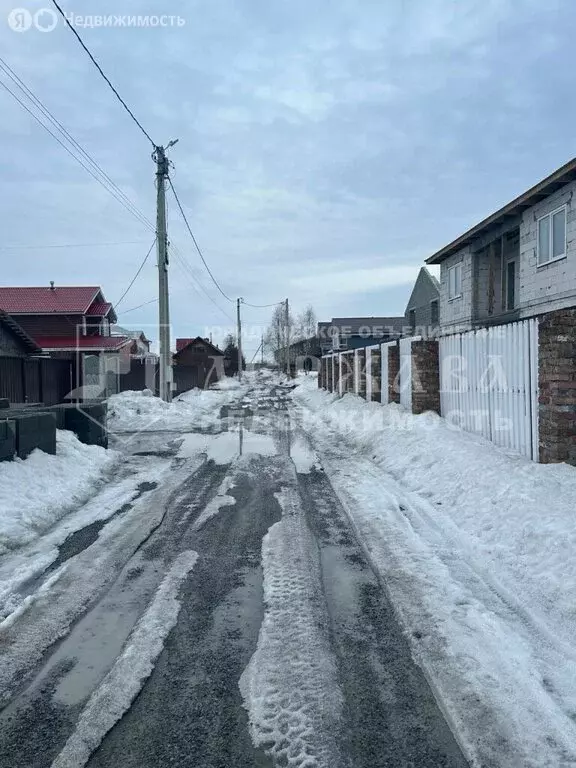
(552,236)
(434,312)
(455,281)
(412,318)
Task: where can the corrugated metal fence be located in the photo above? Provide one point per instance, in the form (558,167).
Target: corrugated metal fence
(489,384)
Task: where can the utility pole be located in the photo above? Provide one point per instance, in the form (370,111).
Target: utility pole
(262,349)
(287,321)
(159,157)
(239,324)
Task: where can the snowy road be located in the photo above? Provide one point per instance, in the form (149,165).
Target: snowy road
(225,616)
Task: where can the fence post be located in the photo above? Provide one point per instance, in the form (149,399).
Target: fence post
(393,382)
(425,376)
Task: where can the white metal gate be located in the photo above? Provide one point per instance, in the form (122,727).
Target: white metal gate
(489,383)
(368,374)
(384,393)
(356,373)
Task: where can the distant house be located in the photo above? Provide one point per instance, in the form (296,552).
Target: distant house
(423,309)
(14,341)
(518,262)
(72,323)
(197,364)
(140,346)
(343,333)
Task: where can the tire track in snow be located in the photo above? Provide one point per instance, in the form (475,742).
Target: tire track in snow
(122,684)
(290,688)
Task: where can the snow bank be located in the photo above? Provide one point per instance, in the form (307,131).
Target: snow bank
(517,515)
(38,491)
(477,547)
(197,409)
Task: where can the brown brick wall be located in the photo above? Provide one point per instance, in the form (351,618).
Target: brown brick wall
(362,373)
(425,376)
(393,374)
(557,386)
(376,371)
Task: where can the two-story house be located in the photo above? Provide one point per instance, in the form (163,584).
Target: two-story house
(71,323)
(423,309)
(518,262)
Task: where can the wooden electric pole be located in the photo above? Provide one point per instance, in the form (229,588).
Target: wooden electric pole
(239,328)
(165,373)
(287,337)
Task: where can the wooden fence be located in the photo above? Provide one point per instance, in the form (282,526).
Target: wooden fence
(35,380)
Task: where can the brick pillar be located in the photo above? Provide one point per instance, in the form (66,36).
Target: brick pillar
(557,386)
(348,373)
(425,376)
(376,375)
(393,373)
(362,373)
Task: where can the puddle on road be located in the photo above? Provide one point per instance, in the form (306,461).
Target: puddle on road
(258,426)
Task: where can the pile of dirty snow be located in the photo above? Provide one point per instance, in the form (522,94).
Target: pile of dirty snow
(37,491)
(197,409)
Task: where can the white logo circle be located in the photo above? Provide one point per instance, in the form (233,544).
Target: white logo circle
(45,20)
(20,20)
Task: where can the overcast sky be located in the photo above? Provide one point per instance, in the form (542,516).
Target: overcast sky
(325,149)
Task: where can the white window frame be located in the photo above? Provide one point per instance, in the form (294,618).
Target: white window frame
(458,290)
(551,236)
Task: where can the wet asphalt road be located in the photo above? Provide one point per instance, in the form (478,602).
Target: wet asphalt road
(190,711)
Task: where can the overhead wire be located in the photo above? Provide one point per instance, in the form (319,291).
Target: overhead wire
(262,306)
(70,245)
(133,309)
(100,70)
(7,69)
(189,228)
(140,268)
(99,175)
(109,186)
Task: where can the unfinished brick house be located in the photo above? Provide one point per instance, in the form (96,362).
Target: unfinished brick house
(508,299)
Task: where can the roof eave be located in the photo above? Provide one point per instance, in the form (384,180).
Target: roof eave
(534,195)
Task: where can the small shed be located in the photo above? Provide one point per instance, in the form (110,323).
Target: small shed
(197,364)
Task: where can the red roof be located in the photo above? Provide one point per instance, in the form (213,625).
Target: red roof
(46,300)
(181,343)
(51,343)
(99,309)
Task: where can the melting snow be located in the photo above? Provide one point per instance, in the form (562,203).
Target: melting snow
(122,684)
(37,491)
(478,549)
(290,687)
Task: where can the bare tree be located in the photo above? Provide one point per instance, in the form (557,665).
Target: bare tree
(279,333)
(306,327)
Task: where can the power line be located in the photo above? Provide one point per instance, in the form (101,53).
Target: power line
(196,244)
(140,268)
(7,69)
(262,306)
(195,283)
(99,68)
(146,303)
(70,245)
(111,188)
